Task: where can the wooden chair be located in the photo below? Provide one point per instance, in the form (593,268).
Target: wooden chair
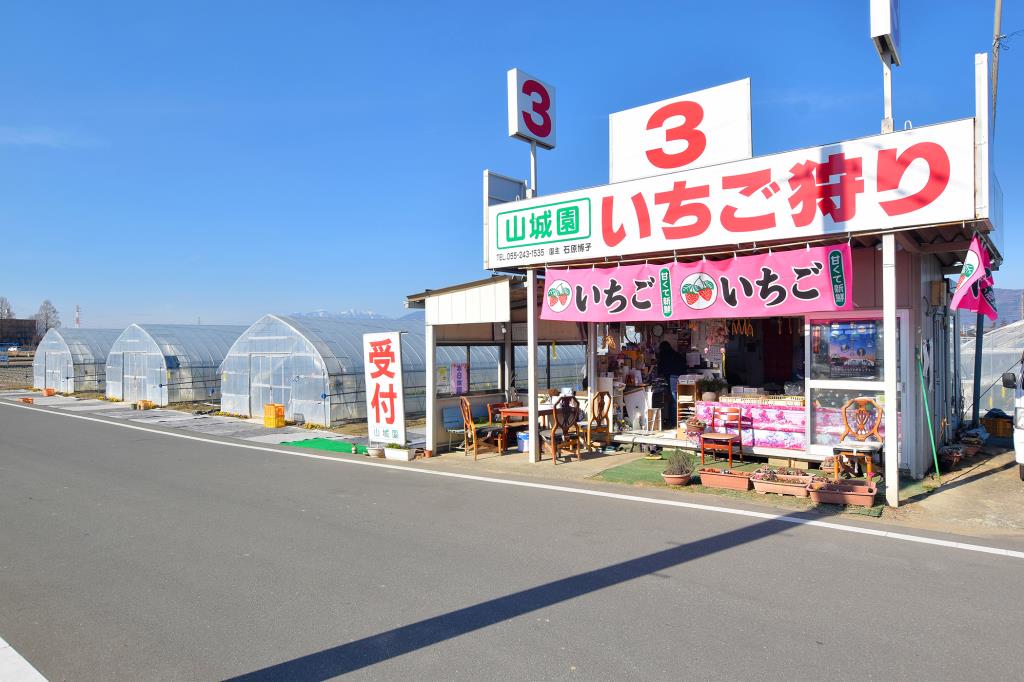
(508,426)
(723,441)
(600,420)
(474,432)
(565,427)
(860,424)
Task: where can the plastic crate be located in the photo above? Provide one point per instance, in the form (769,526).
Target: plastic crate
(1000,428)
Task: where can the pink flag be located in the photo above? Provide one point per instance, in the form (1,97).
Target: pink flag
(974,288)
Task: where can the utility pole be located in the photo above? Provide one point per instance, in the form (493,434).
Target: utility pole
(996,36)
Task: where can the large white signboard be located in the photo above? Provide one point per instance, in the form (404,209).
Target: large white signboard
(699,129)
(385,406)
(916,177)
(531,109)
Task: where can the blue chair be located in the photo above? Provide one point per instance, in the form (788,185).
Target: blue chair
(451,417)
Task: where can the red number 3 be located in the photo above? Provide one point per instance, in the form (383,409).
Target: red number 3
(692,114)
(540,108)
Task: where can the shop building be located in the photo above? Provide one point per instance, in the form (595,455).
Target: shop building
(806,283)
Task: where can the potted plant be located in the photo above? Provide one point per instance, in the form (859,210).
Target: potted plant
(781,481)
(694,428)
(727,479)
(398,451)
(680,469)
(709,388)
(828,492)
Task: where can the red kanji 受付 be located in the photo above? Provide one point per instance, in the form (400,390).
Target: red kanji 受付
(381,356)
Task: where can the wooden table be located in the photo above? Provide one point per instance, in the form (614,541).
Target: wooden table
(514,419)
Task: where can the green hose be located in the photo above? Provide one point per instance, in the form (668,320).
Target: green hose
(928,413)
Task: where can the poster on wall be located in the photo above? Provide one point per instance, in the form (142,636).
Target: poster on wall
(852,350)
(814,279)
(385,405)
(441,380)
(459,378)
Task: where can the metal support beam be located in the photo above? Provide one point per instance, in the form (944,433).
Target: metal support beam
(431,390)
(887,123)
(531,363)
(908,243)
(945,247)
(891,371)
(979,346)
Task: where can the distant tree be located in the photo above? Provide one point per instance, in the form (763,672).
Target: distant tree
(47,318)
(5,309)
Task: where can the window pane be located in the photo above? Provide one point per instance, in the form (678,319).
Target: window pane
(484,371)
(826,414)
(846,350)
(567,369)
(445,357)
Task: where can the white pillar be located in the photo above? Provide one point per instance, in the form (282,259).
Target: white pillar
(891,371)
(431,392)
(531,362)
(592,359)
(509,358)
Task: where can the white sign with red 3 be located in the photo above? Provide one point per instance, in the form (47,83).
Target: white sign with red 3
(385,404)
(699,129)
(531,109)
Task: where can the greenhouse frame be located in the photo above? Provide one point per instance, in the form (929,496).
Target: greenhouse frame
(168,363)
(314,367)
(73,360)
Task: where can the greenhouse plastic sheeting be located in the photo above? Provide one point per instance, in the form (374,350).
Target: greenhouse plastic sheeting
(70,360)
(168,363)
(296,361)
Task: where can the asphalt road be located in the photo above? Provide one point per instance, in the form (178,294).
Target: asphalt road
(127,554)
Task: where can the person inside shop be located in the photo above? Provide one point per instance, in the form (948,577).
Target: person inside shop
(670,365)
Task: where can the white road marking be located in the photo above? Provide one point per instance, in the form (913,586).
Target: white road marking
(14,668)
(784,518)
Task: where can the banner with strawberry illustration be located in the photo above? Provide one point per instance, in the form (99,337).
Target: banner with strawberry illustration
(974,287)
(810,280)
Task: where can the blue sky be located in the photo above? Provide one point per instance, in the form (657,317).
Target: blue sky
(164,162)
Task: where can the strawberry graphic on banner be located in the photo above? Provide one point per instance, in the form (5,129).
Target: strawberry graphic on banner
(974,288)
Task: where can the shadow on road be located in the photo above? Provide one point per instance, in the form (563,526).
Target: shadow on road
(383,646)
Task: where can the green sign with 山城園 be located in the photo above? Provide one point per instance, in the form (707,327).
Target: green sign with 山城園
(526,228)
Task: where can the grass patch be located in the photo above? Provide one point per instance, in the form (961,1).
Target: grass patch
(328,444)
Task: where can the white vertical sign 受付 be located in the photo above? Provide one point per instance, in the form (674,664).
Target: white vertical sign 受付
(385,405)
(699,129)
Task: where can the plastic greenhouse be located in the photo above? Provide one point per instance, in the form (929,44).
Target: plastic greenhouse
(168,363)
(70,360)
(314,367)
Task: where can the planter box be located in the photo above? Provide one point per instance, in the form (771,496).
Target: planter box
(786,485)
(842,493)
(401,454)
(714,478)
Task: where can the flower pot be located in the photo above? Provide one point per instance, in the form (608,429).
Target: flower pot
(717,478)
(709,396)
(842,493)
(782,485)
(375,452)
(400,454)
(673,479)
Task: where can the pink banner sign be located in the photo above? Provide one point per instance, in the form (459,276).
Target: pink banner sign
(796,282)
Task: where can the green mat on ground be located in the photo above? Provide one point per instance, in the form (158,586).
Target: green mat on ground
(329,444)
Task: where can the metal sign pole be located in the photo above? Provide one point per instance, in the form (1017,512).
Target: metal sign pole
(887,122)
(533,168)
